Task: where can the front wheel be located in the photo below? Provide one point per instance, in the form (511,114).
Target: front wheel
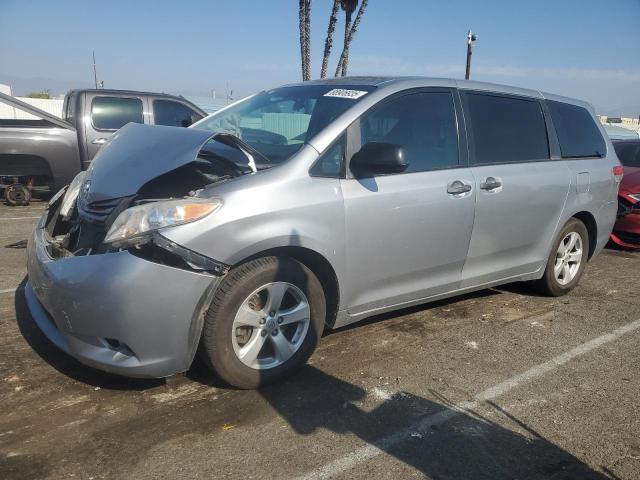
(265,320)
(567,260)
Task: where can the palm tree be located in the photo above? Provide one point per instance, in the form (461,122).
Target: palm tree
(348,6)
(328,43)
(343,62)
(304,13)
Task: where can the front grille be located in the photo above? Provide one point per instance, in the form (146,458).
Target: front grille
(93,222)
(84,231)
(627,237)
(98,212)
(625,207)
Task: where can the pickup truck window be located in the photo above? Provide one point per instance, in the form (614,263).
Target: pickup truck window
(112,113)
(173,114)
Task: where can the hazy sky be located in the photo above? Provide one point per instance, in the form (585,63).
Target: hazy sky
(583,48)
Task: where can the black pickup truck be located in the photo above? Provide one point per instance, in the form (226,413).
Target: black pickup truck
(40,150)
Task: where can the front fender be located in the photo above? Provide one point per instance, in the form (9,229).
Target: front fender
(291,212)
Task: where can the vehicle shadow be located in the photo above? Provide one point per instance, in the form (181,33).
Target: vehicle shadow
(432,436)
(64,363)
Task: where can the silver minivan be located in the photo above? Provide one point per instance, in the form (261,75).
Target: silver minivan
(310,206)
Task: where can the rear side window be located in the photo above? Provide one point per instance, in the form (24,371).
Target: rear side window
(112,113)
(506,129)
(577,131)
(628,153)
(424,124)
(173,114)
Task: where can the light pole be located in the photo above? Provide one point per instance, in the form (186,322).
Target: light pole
(471,38)
(95,76)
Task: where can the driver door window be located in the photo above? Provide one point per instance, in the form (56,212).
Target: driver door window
(424,124)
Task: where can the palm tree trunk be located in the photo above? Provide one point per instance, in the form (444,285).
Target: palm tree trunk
(347,29)
(301,14)
(307,45)
(344,57)
(328,43)
(305,28)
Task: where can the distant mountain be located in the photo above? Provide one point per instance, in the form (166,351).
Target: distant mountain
(22,86)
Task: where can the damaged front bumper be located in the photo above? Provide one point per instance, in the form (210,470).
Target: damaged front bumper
(118,311)
(626,231)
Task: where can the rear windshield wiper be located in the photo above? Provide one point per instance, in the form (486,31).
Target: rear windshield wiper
(249,152)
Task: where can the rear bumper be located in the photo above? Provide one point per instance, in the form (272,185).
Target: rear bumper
(115,311)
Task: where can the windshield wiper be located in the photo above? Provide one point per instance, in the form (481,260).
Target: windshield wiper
(248,151)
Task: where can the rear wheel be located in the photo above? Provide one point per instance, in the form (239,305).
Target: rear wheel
(17,194)
(567,260)
(265,320)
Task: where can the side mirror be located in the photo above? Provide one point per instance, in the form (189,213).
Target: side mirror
(379,158)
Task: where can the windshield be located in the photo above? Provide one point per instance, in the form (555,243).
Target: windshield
(278,122)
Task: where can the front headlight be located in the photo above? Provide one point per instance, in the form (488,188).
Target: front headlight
(635,196)
(71,195)
(134,225)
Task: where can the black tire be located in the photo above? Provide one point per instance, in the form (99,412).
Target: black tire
(548,284)
(17,194)
(216,344)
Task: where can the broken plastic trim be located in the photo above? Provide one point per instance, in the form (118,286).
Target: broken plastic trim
(160,249)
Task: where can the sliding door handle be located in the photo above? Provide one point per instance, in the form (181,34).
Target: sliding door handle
(491,183)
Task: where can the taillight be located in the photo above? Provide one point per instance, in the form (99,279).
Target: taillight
(618,173)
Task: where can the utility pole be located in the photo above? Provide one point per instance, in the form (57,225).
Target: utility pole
(471,38)
(95,77)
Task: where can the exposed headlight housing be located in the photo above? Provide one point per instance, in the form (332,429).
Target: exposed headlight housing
(135,225)
(71,195)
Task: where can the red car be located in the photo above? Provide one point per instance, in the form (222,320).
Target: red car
(626,231)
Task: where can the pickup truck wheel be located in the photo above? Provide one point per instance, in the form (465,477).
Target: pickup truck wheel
(17,194)
(265,320)
(566,261)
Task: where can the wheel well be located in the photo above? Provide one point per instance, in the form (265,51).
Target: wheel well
(321,268)
(21,165)
(592,229)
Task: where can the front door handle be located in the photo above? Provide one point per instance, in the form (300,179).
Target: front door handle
(491,183)
(99,141)
(458,187)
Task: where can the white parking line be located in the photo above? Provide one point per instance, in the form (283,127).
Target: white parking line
(8,290)
(422,426)
(17,218)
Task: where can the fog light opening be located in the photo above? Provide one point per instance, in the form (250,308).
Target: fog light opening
(118,347)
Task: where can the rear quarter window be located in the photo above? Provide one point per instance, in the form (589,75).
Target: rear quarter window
(112,113)
(577,131)
(173,114)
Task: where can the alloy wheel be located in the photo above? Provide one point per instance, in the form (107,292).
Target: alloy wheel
(568,258)
(270,325)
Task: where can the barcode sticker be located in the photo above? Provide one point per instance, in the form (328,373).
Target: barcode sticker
(342,93)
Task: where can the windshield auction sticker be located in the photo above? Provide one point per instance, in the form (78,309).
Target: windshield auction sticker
(342,93)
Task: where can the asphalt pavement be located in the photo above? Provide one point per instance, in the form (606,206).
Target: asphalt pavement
(499,384)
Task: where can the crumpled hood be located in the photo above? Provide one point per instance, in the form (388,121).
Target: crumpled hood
(136,154)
